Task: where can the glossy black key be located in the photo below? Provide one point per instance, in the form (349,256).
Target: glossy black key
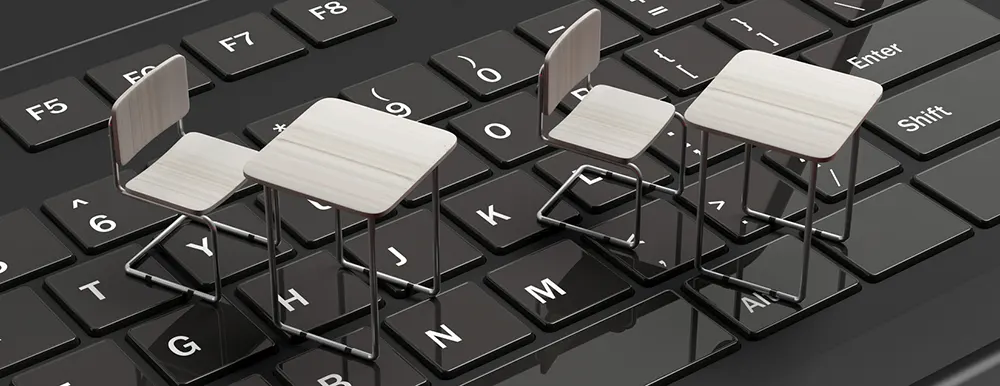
(312,223)
(29,249)
(490,66)
(874,166)
(901,46)
(558,285)
(405,249)
(506,131)
(190,248)
(593,192)
(113,78)
(893,230)
(684,61)
(768,194)
(777,265)
(855,12)
(657,16)
(942,114)
(501,213)
(666,247)
(458,330)
(253,380)
(411,91)
(201,342)
(326,22)
(654,342)
(667,146)
(613,72)
(102,298)
(315,293)
(98,217)
(244,46)
(967,184)
(460,169)
(52,114)
(264,130)
(543,30)
(100,364)
(326,368)
(33,334)
(772,26)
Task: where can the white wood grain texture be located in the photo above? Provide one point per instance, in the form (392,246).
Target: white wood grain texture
(795,107)
(573,56)
(197,174)
(150,106)
(613,124)
(353,157)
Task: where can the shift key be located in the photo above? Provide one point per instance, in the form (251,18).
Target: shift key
(909,43)
(943,113)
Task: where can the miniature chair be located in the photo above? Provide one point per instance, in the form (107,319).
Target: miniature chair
(193,177)
(789,106)
(357,159)
(610,124)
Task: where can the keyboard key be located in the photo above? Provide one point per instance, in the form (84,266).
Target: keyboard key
(893,230)
(666,146)
(942,114)
(102,298)
(411,91)
(856,12)
(490,66)
(325,23)
(777,265)
(113,78)
(98,217)
(900,47)
(406,250)
(684,61)
(593,192)
(253,380)
(34,335)
(52,114)
(460,329)
(767,193)
(190,248)
(244,46)
(501,213)
(657,16)
(312,223)
(459,169)
(30,249)
(102,363)
(558,285)
(654,342)
(506,131)
(325,367)
(772,26)
(264,130)
(613,72)
(201,342)
(657,258)
(966,184)
(316,294)
(543,30)
(874,166)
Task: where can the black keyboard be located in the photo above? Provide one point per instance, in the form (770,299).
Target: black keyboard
(909,293)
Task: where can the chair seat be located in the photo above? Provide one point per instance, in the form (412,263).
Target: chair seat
(196,175)
(612,124)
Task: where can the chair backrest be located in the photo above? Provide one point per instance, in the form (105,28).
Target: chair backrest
(572,57)
(150,106)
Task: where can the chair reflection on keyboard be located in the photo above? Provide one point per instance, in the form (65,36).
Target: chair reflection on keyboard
(192,178)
